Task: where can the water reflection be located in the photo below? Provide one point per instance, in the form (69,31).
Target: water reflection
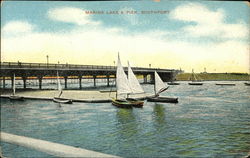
(127,131)
(159,115)
(127,125)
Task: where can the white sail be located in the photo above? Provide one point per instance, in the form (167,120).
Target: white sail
(159,84)
(59,85)
(133,82)
(14,84)
(122,83)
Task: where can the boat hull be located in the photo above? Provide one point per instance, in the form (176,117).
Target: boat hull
(195,83)
(173,83)
(247,84)
(63,101)
(162,99)
(126,103)
(136,102)
(225,84)
(16,97)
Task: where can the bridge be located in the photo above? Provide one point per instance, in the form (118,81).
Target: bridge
(42,71)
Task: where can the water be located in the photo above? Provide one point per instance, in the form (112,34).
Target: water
(208,121)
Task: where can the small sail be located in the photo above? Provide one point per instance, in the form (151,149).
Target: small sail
(14,84)
(159,84)
(133,82)
(122,83)
(59,85)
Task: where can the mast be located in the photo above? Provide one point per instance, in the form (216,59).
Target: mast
(59,85)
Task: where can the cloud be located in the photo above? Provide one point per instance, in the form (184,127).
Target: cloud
(71,15)
(17,27)
(99,45)
(202,22)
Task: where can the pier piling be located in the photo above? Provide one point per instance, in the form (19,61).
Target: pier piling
(65,82)
(80,82)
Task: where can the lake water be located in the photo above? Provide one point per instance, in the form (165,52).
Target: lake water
(208,121)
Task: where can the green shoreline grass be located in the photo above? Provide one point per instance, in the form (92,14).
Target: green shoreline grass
(215,76)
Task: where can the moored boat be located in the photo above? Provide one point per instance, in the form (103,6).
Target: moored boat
(59,99)
(173,83)
(195,83)
(123,88)
(160,87)
(16,97)
(194,79)
(225,84)
(62,100)
(247,83)
(163,99)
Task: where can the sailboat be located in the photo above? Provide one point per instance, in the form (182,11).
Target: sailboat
(59,99)
(123,88)
(14,96)
(194,79)
(160,87)
(135,87)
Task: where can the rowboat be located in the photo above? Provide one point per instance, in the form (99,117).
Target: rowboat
(62,100)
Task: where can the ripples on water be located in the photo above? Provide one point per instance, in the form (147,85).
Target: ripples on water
(208,121)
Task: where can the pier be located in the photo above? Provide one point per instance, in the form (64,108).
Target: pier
(40,71)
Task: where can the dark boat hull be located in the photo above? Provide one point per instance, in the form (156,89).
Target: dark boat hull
(173,83)
(225,84)
(162,99)
(247,84)
(15,97)
(195,83)
(127,103)
(62,101)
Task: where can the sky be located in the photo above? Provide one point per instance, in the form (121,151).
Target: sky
(167,34)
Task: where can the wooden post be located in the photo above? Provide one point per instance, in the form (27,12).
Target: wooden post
(4,82)
(145,78)
(108,80)
(94,80)
(12,82)
(65,83)
(40,81)
(24,82)
(80,82)
(152,78)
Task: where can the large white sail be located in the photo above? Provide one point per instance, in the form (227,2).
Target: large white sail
(133,82)
(122,83)
(14,84)
(159,84)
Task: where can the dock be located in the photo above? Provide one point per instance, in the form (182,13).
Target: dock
(88,96)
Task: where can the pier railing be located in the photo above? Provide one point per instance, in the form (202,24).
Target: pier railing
(20,65)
